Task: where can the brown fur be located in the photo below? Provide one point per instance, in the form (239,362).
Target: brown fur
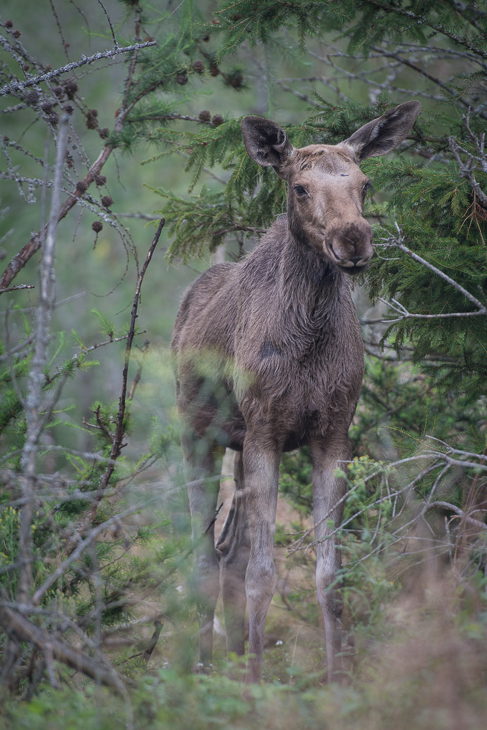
(269,358)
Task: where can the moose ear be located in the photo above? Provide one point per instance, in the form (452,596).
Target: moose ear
(265,142)
(381,135)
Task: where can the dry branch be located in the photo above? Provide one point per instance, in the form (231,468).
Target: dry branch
(24,630)
(36,375)
(19,86)
(33,245)
(402,312)
(15,288)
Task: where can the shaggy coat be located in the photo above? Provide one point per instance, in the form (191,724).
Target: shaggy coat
(269,358)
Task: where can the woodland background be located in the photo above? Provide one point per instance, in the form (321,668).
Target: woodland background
(95,554)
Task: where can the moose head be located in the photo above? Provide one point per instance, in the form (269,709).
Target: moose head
(326,187)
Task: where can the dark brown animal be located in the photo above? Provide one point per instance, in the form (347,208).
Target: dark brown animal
(269,357)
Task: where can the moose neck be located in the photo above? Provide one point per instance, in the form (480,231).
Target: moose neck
(309,281)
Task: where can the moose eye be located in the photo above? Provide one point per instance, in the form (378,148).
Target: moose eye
(366,187)
(300,190)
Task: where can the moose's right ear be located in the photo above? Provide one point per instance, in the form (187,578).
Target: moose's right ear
(265,142)
(383,134)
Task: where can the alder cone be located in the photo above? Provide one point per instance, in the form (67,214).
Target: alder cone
(71,87)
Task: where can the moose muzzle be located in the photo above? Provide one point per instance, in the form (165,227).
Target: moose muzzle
(350,246)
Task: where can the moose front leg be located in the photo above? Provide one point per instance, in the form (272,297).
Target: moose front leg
(327,491)
(261,468)
(202,464)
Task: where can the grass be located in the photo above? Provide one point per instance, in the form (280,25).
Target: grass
(422,666)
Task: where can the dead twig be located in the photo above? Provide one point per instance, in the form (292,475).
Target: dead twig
(138,374)
(19,86)
(33,245)
(15,288)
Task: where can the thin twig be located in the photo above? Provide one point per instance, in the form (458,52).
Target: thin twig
(119,428)
(82,545)
(15,288)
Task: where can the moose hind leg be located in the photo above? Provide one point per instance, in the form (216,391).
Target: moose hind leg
(201,468)
(327,491)
(234,548)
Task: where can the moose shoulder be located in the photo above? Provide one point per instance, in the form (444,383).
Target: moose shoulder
(269,358)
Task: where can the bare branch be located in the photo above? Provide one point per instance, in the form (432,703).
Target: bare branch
(19,86)
(36,375)
(115,42)
(453,508)
(467,169)
(27,631)
(141,216)
(398,243)
(365,77)
(436,457)
(16,288)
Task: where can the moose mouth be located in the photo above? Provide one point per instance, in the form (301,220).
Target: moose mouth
(352,270)
(354,265)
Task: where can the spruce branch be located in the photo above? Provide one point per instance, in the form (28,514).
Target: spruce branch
(425,20)
(79,549)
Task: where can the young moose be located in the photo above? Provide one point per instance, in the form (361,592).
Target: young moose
(269,358)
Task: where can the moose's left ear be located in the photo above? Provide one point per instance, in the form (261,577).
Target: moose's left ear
(381,135)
